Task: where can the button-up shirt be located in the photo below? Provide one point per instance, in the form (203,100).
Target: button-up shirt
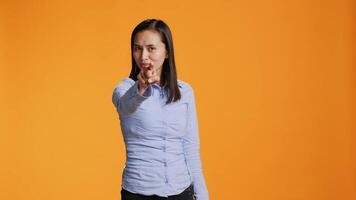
(161,141)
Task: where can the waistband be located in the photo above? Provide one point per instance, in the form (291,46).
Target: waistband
(188,191)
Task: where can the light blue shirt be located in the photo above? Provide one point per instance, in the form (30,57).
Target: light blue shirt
(162,141)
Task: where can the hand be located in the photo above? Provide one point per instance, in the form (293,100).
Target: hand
(146,77)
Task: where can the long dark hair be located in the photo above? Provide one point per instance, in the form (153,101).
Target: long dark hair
(169,72)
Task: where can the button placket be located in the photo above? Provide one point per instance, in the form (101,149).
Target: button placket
(165,132)
(164,150)
(161,93)
(165,128)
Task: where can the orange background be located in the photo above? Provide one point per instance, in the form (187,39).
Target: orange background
(274,82)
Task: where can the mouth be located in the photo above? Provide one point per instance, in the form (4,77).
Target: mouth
(145,65)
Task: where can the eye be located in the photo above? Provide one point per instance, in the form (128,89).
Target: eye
(151,48)
(137,48)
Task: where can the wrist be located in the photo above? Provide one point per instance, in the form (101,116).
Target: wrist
(141,89)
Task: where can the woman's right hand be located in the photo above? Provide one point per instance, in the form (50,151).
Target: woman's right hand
(146,77)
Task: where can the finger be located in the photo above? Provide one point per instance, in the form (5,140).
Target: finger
(150,67)
(141,79)
(143,73)
(146,77)
(148,73)
(158,79)
(150,77)
(156,76)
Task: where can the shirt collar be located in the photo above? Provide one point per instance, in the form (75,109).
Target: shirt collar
(157,85)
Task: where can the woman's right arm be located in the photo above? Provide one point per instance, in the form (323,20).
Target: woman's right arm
(127,98)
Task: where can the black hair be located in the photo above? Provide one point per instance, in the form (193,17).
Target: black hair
(169,72)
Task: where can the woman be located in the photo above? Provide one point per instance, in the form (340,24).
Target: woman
(159,122)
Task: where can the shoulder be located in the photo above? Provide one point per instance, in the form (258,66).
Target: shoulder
(121,88)
(184,85)
(185,88)
(125,83)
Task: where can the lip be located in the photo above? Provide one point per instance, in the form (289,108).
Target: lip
(145,64)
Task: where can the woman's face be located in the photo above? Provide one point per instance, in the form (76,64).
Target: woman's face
(149,50)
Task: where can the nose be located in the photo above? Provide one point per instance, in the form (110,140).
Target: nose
(144,55)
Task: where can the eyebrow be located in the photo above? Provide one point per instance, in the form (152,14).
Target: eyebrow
(146,45)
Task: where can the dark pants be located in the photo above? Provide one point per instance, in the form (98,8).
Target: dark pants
(187,194)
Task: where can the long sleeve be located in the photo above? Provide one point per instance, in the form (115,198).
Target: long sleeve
(191,144)
(126,97)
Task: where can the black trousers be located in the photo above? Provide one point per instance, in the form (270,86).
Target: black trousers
(187,194)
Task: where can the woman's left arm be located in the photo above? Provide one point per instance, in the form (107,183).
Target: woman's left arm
(191,144)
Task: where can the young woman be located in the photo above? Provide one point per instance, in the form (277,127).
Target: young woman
(159,122)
